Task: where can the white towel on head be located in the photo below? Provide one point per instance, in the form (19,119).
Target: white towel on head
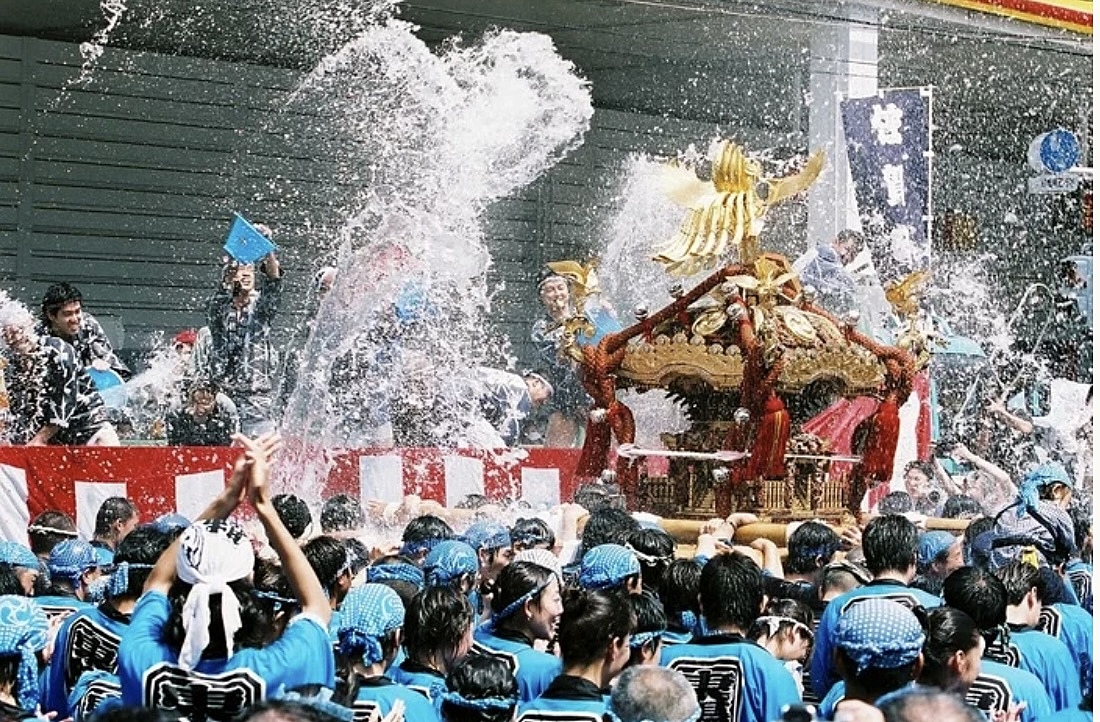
(211,555)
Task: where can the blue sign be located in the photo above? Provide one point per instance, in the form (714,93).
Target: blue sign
(245,243)
(1054,152)
(887,139)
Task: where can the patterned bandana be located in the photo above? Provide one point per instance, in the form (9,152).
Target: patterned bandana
(367,615)
(17,555)
(396,572)
(543,558)
(488,535)
(212,554)
(24,631)
(879,634)
(448,561)
(71,558)
(933,544)
(607,565)
(119,582)
(490,704)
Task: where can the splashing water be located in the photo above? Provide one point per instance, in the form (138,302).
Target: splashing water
(92,50)
(433,139)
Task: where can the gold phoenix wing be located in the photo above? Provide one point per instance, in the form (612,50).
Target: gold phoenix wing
(727,212)
(904,295)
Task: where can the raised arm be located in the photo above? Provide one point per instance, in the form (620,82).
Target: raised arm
(303,580)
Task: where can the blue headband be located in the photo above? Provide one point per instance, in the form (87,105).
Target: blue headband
(413,548)
(516,605)
(119,583)
(640,639)
(502,704)
(396,572)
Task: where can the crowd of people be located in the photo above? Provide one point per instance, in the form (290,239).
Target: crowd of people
(413,611)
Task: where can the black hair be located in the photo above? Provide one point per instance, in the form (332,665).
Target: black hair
(981,595)
(342,513)
(590,620)
(130,713)
(426,528)
(532,533)
(271,589)
(811,546)
(679,590)
(946,631)
(285,710)
(203,383)
(438,618)
(358,555)
(43,541)
(842,577)
(599,496)
(1019,578)
(649,615)
(607,525)
(144,545)
(889,544)
(329,558)
(516,580)
(293,512)
(975,528)
(9,581)
(961,506)
(114,509)
(896,502)
(57,296)
(655,549)
(875,681)
(1052,588)
(256,620)
(789,608)
(923,467)
(918,704)
(480,677)
(731,591)
(1081,516)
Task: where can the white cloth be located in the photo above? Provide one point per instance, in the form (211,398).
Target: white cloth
(211,555)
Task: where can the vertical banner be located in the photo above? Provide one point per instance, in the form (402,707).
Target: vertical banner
(888,144)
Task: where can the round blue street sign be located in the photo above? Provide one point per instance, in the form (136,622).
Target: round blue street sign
(1059,150)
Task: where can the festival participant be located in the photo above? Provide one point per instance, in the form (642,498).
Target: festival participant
(810,547)
(242,357)
(328,557)
(568,407)
(208,418)
(839,578)
(953,662)
(938,554)
(88,640)
(342,513)
(22,565)
(63,317)
(493,543)
(1078,569)
(73,567)
(294,513)
(920,485)
(52,399)
(878,651)
(786,630)
(531,533)
(823,269)
(649,628)
(645,694)
(47,530)
(655,549)
(422,534)
(439,626)
(205,631)
(116,517)
(24,637)
(1045,656)
(505,400)
(611,566)
(526,607)
(607,525)
(368,639)
(981,596)
(594,638)
(728,671)
(890,551)
(917,704)
(454,564)
(680,597)
(481,689)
